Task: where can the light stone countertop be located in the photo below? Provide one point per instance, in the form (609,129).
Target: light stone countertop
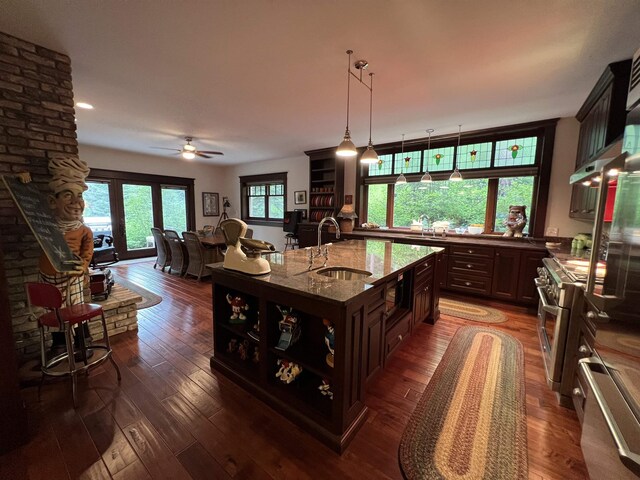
(382,258)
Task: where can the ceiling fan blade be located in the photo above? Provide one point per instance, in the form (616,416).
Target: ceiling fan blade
(211,152)
(200,154)
(164,148)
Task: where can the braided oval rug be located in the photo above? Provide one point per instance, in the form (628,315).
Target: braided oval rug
(470,422)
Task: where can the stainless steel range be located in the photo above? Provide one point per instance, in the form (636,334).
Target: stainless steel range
(559,295)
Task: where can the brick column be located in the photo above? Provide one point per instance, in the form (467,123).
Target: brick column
(36,122)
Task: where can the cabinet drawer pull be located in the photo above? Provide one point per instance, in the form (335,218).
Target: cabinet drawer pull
(468,284)
(400,337)
(577,392)
(469,265)
(470,251)
(497,254)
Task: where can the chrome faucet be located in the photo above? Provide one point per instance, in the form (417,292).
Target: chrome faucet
(421,219)
(318,251)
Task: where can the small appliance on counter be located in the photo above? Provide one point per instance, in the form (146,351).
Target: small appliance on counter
(244,254)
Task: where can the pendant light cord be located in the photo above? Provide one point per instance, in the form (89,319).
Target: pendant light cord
(370,103)
(349,52)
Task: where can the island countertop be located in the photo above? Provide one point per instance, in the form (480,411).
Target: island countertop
(383,259)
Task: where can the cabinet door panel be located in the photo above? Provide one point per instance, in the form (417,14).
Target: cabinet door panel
(374,343)
(505,275)
(529,263)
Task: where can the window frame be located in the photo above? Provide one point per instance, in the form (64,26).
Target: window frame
(266,180)
(540,170)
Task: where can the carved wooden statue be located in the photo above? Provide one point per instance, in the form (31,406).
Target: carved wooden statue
(516,221)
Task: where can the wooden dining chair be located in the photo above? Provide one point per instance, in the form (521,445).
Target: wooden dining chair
(179,255)
(199,256)
(163,259)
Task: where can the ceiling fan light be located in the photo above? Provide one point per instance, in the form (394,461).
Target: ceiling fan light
(189,148)
(401,180)
(426,178)
(346,147)
(188,155)
(369,155)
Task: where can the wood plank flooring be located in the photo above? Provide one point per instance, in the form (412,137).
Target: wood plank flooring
(173,417)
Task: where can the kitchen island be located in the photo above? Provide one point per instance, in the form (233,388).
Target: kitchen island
(307,343)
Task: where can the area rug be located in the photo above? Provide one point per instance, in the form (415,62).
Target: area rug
(469,311)
(149,299)
(470,421)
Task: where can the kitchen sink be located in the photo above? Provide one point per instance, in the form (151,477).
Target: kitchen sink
(344,273)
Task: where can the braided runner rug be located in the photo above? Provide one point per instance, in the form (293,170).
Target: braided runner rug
(469,311)
(470,422)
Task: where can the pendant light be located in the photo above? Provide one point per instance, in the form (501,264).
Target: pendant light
(347,148)
(426,178)
(370,155)
(456,176)
(401,178)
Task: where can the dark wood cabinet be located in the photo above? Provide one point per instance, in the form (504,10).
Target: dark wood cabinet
(529,264)
(470,269)
(602,119)
(308,235)
(326,184)
(506,272)
(374,335)
(423,291)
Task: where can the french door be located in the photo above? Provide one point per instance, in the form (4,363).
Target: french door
(127,205)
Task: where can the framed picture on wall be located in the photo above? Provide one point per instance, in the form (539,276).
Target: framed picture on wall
(300,197)
(304,212)
(210,204)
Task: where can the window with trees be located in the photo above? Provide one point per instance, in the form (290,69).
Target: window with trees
(264,198)
(500,167)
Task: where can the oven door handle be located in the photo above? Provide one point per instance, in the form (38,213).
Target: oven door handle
(546,306)
(540,282)
(630,459)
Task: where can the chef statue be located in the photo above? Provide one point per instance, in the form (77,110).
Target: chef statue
(516,221)
(67,186)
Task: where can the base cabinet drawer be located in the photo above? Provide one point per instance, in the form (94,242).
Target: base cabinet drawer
(473,284)
(468,265)
(397,334)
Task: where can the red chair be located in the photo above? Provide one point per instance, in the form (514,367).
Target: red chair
(64,318)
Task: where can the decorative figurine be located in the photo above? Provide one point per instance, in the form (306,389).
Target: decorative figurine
(238,307)
(329,340)
(288,371)
(255,330)
(233,345)
(255,358)
(516,221)
(289,328)
(243,350)
(325,388)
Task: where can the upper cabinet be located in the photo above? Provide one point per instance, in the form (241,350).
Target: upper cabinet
(602,119)
(326,184)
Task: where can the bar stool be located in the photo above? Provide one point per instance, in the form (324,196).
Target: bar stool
(48,296)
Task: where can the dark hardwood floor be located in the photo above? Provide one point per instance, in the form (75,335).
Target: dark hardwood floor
(173,417)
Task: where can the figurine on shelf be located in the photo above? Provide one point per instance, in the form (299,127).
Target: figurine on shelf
(238,307)
(516,221)
(243,350)
(288,371)
(325,388)
(329,340)
(255,331)
(233,345)
(289,328)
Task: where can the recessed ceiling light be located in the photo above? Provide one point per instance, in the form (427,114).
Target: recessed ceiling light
(86,106)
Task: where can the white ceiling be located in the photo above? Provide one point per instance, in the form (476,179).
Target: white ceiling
(266,79)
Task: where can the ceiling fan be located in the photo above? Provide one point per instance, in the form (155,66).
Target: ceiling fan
(189,152)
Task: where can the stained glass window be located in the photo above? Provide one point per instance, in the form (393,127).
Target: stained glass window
(438,159)
(402,166)
(474,155)
(383,167)
(515,153)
